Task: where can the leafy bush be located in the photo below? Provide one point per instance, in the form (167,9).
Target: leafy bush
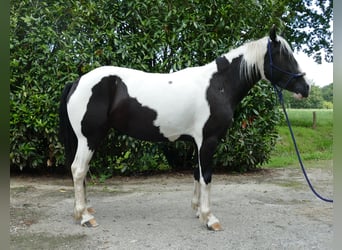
(121,154)
(33,130)
(55,42)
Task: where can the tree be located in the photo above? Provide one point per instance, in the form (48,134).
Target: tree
(328,93)
(54,42)
(328,96)
(309,25)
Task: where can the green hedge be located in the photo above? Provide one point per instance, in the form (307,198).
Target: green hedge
(54,42)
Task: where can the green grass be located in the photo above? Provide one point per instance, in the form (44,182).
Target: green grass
(314,144)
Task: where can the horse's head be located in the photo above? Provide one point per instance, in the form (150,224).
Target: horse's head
(282,69)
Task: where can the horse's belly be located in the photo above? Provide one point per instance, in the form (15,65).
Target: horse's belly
(144,122)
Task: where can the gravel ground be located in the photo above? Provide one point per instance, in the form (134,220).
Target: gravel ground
(270,209)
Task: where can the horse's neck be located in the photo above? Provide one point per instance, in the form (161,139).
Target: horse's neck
(242,89)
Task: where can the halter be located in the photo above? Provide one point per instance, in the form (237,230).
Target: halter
(292,75)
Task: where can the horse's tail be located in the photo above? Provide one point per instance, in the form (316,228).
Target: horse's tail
(66,133)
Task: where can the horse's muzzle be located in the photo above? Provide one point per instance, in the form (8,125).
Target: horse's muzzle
(302,91)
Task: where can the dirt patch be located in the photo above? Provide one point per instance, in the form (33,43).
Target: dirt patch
(271,209)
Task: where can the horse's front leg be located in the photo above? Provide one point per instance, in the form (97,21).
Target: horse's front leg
(206,216)
(206,153)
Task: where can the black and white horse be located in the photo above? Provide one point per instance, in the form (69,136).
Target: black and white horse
(196,103)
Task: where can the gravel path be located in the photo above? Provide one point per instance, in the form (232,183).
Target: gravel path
(271,209)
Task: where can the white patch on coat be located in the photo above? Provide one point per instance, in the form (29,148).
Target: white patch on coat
(179,98)
(253,56)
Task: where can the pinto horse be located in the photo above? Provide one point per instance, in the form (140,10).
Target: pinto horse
(196,103)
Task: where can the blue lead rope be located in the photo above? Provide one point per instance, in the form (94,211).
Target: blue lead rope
(281,100)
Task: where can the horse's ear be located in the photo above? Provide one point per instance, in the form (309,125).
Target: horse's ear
(273,33)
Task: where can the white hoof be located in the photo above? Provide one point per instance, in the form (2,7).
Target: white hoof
(211,221)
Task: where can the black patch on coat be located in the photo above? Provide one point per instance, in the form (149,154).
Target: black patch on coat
(110,106)
(225,91)
(220,96)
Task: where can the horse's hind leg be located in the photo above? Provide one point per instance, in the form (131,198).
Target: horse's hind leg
(195,202)
(79,170)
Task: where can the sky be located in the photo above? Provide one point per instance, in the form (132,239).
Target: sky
(321,74)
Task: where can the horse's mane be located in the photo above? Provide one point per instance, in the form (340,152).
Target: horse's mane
(253,53)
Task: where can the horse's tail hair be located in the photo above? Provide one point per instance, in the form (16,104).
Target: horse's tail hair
(67,135)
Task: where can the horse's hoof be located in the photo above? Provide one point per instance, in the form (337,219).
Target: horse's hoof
(215,227)
(90,223)
(91,210)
